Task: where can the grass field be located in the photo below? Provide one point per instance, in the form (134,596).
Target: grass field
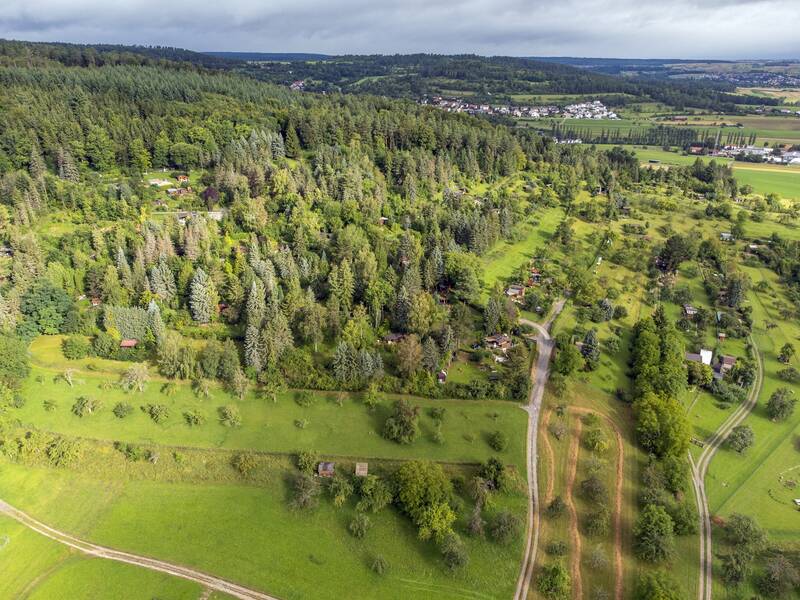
(782,180)
(248,533)
(37,568)
(347,430)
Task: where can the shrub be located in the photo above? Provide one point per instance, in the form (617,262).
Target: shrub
(340,489)
(122,410)
(658,585)
(594,489)
(75,347)
(50,405)
(556,508)
(379,565)
(244,463)
(359,526)
(454,552)
(402,426)
(131,452)
(307,461)
(556,548)
(305,398)
(597,522)
(504,527)
(18,401)
(375,494)
(158,412)
(230,416)
(86,405)
(498,441)
(554,582)
(305,492)
(194,418)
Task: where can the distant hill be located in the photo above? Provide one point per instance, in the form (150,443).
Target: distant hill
(19,53)
(270,56)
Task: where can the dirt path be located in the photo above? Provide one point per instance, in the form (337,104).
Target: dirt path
(574,532)
(209,581)
(700,469)
(550,457)
(539,374)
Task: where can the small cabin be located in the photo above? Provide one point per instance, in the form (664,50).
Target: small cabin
(515,291)
(500,341)
(183,178)
(441,376)
(326,469)
(128,343)
(362,469)
(394,338)
(689,310)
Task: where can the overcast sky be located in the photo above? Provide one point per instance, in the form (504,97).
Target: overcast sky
(607,28)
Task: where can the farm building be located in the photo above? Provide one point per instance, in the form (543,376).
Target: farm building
(704,357)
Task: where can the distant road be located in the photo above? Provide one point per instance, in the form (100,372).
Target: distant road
(210,582)
(539,374)
(700,469)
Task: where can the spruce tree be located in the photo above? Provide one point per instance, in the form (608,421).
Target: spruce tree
(155,322)
(202,297)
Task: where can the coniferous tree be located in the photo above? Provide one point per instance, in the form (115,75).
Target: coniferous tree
(203,297)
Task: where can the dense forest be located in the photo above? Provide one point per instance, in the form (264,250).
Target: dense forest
(493,79)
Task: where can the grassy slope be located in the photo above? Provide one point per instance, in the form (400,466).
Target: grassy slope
(349,430)
(37,568)
(248,534)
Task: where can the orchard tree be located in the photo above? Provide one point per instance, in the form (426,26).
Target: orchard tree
(741,438)
(654,535)
(780,405)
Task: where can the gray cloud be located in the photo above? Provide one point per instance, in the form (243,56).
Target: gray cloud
(623,28)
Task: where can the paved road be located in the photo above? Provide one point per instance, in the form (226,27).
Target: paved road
(539,374)
(210,582)
(700,469)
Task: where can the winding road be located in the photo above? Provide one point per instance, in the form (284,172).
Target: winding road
(208,581)
(700,469)
(539,374)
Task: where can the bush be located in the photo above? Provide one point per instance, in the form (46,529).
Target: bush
(122,410)
(402,426)
(556,508)
(498,441)
(230,416)
(50,405)
(379,565)
(131,452)
(86,405)
(656,585)
(75,347)
(597,522)
(359,526)
(375,494)
(307,461)
(594,490)
(454,552)
(504,527)
(194,418)
(305,490)
(244,463)
(158,412)
(340,489)
(554,582)
(305,398)
(18,401)
(556,549)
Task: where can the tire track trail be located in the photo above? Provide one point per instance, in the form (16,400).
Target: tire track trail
(209,581)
